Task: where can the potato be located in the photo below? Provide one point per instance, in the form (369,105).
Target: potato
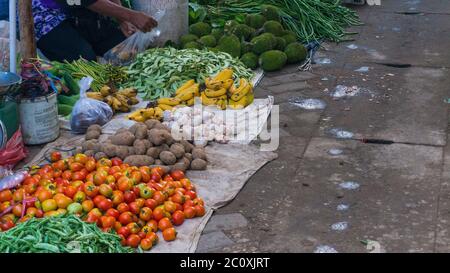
(108,149)
(135,127)
(131,151)
(122,152)
(159,162)
(140,147)
(198,153)
(178,150)
(124,138)
(157,137)
(91,145)
(188,156)
(178,166)
(139,160)
(198,164)
(141,133)
(154,152)
(93,134)
(151,122)
(187,146)
(100,155)
(168,158)
(164,147)
(95,127)
(170,140)
(89,153)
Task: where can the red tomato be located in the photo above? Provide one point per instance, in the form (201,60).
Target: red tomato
(90,165)
(105,204)
(133,240)
(164,223)
(191,194)
(158,213)
(124,231)
(6,195)
(178,218)
(70,191)
(90,189)
(125,218)
(134,228)
(151,203)
(124,184)
(116,161)
(189,212)
(113,212)
(55,156)
(6,224)
(107,221)
(123,207)
(75,167)
(169,234)
(134,208)
(178,198)
(146,244)
(117,197)
(129,196)
(153,237)
(97,199)
(199,210)
(177,175)
(155,177)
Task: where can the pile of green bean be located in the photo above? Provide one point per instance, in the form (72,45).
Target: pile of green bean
(311,20)
(159,72)
(59,234)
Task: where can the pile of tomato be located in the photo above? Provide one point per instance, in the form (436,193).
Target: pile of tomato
(136,202)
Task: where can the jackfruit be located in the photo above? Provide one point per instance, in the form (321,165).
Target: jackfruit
(243,31)
(208,40)
(270,12)
(281,43)
(246,47)
(200,29)
(273,27)
(273,60)
(289,36)
(255,20)
(229,25)
(295,53)
(188,38)
(217,33)
(263,43)
(231,45)
(250,60)
(192,45)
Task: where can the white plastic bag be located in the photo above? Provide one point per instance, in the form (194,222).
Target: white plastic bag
(125,52)
(88,111)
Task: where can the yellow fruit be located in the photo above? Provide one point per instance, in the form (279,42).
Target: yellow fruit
(133,100)
(105,90)
(250,98)
(94,95)
(134,114)
(148,113)
(139,118)
(213,84)
(165,107)
(227,84)
(243,90)
(158,113)
(128,92)
(224,75)
(188,93)
(185,86)
(169,101)
(190,102)
(116,104)
(215,93)
(208,101)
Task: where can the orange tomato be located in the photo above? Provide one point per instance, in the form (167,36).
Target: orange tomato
(100,177)
(81,158)
(170,206)
(117,197)
(17,210)
(67,175)
(199,210)
(18,195)
(158,213)
(123,207)
(145,214)
(146,244)
(136,176)
(153,237)
(177,175)
(159,197)
(90,165)
(178,218)
(104,162)
(6,195)
(75,167)
(189,212)
(87,205)
(164,224)
(169,234)
(110,179)
(78,176)
(124,184)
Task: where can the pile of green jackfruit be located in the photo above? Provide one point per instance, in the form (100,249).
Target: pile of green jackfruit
(260,41)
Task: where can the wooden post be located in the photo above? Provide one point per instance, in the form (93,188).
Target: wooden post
(26,26)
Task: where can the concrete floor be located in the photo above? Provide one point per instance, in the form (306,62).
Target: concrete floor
(402,203)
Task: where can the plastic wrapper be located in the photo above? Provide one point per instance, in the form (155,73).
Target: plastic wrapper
(14,150)
(12,180)
(88,111)
(125,52)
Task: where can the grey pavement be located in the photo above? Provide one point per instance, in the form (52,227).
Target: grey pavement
(402,202)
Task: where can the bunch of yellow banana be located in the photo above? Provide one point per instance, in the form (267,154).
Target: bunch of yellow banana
(217,88)
(144,114)
(119,101)
(242,96)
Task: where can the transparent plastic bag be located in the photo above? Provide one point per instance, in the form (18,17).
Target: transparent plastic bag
(88,111)
(125,52)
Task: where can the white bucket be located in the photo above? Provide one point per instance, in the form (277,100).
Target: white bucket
(39,119)
(175,21)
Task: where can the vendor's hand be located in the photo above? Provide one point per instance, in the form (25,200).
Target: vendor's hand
(143,22)
(127,28)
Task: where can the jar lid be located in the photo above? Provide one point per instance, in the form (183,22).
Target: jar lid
(3,135)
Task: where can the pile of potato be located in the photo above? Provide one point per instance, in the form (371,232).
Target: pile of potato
(145,144)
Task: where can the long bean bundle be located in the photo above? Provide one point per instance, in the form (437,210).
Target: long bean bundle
(59,234)
(311,20)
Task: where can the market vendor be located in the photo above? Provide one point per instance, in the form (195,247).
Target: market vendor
(70,29)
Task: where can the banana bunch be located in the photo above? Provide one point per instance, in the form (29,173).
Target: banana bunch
(118,100)
(141,115)
(217,89)
(242,96)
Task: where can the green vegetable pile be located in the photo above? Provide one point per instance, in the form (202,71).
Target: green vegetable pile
(102,74)
(159,72)
(310,20)
(260,33)
(59,234)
